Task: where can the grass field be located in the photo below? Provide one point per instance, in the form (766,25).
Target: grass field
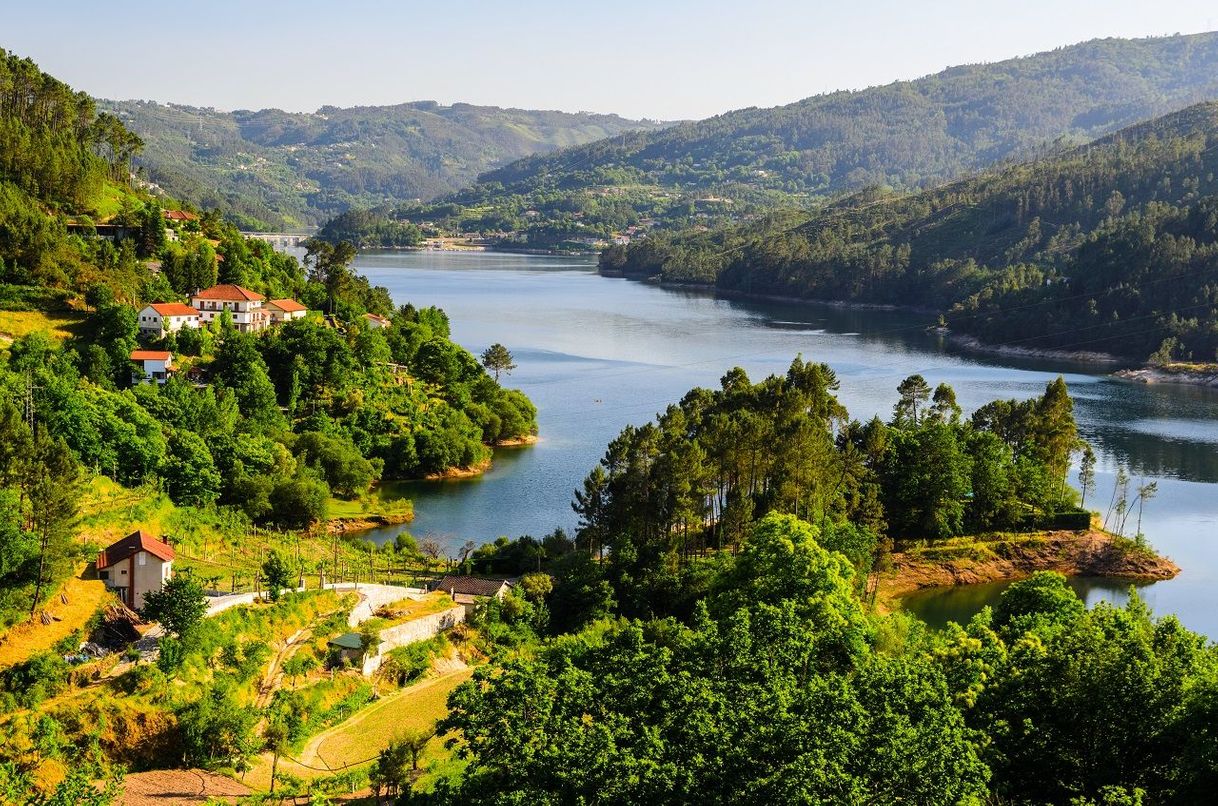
(357,741)
(29,638)
(381,502)
(59,326)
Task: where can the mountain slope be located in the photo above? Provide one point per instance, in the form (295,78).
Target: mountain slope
(282,169)
(905,134)
(1110,246)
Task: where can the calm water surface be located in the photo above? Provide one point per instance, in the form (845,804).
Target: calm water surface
(595,354)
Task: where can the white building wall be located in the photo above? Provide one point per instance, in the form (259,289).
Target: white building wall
(411,632)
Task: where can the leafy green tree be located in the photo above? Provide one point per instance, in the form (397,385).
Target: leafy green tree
(299,502)
(1086,473)
(497,359)
(178,606)
(51,485)
(339,461)
(277,574)
(217,731)
(914,392)
(188,470)
(329,264)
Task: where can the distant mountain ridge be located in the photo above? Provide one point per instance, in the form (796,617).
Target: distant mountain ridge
(905,134)
(282,169)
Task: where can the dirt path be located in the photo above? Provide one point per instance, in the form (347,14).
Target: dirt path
(273,677)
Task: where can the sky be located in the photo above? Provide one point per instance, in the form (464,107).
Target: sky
(657,59)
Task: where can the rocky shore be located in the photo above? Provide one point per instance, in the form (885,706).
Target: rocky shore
(1011,557)
(1169,375)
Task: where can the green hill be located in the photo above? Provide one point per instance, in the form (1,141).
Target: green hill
(1111,246)
(282,169)
(901,136)
(908,133)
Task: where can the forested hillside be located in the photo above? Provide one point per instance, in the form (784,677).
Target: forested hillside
(901,136)
(279,169)
(1111,247)
(264,426)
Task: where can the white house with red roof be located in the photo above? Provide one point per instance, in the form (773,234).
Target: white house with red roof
(283,310)
(245,306)
(160,318)
(151,366)
(135,565)
(376,321)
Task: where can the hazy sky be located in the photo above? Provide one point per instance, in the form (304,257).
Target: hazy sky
(664,59)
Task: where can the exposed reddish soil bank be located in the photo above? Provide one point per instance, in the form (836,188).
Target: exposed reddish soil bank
(518,442)
(179,787)
(1009,557)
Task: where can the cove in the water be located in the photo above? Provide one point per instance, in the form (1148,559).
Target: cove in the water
(595,354)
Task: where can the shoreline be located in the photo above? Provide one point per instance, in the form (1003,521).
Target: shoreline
(968,342)
(844,305)
(1013,557)
(517,442)
(451,473)
(1013,351)
(478,469)
(356,524)
(1149,374)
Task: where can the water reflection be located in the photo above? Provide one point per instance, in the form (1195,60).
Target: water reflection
(938,606)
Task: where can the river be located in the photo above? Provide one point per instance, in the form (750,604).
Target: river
(595,354)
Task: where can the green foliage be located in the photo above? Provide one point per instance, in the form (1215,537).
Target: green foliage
(497,358)
(758,704)
(28,683)
(179,605)
(216,731)
(1105,247)
(278,575)
(667,493)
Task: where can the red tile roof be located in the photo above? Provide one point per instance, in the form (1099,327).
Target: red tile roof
(180,215)
(376,317)
(151,355)
(230,293)
(287,305)
(131,545)
(173,309)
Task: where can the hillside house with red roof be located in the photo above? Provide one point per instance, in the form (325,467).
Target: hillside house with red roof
(135,565)
(282,310)
(246,306)
(151,366)
(161,318)
(376,321)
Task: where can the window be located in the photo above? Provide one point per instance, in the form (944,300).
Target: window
(103,574)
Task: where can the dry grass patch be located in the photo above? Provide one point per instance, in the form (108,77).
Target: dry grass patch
(409,609)
(59,326)
(22,642)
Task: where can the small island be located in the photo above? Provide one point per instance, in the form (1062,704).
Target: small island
(1008,557)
